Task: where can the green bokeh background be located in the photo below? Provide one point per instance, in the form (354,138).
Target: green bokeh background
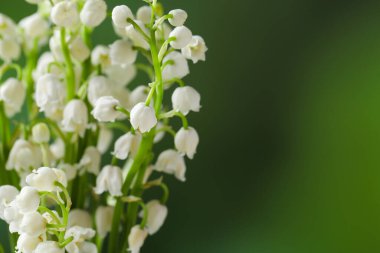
(290,128)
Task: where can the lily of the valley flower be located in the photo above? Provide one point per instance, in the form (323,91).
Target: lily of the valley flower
(81,218)
(33,224)
(182,36)
(109,179)
(41,133)
(143,117)
(186,99)
(49,247)
(136,238)
(127,144)
(90,160)
(27,244)
(121,52)
(93,13)
(179,17)
(196,49)
(120,14)
(75,117)
(65,14)
(186,141)
(105,109)
(171,162)
(7,194)
(103,218)
(44,178)
(156,216)
(28,200)
(12,92)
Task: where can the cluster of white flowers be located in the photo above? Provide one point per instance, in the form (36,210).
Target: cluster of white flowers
(60,113)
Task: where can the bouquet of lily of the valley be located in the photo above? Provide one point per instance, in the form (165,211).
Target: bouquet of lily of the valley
(76,153)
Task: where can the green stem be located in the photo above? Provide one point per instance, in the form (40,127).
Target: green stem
(165,194)
(70,75)
(158,73)
(145,215)
(139,29)
(28,77)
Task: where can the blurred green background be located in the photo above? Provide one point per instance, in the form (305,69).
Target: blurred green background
(290,128)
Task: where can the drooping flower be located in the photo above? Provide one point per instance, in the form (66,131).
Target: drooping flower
(127,144)
(143,117)
(196,49)
(41,133)
(49,247)
(28,200)
(91,160)
(121,52)
(27,244)
(186,141)
(24,156)
(44,178)
(81,218)
(186,99)
(182,36)
(75,117)
(105,109)
(109,179)
(179,17)
(178,67)
(171,162)
(33,224)
(93,13)
(156,216)
(103,218)
(120,14)
(136,238)
(7,194)
(65,14)
(12,92)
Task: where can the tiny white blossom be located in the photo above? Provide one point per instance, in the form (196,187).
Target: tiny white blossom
(143,117)
(49,247)
(12,92)
(136,238)
(178,67)
(41,133)
(28,200)
(138,95)
(7,194)
(94,12)
(182,36)
(65,14)
(79,49)
(44,178)
(144,14)
(33,224)
(136,37)
(105,109)
(98,86)
(9,49)
(156,216)
(13,217)
(44,65)
(171,162)
(121,75)
(70,170)
(81,218)
(186,141)
(103,218)
(196,49)
(109,179)
(127,144)
(120,14)
(80,234)
(75,118)
(27,244)
(24,156)
(100,56)
(104,140)
(34,26)
(90,160)
(121,52)
(179,17)
(186,99)
(57,148)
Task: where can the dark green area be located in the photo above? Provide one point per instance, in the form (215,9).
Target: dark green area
(290,128)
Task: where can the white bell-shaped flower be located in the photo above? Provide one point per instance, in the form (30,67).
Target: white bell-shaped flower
(34,26)
(81,218)
(196,49)
(7,194)
(80,235)
(65,14)
(186,141)
(171,162)
(79,49)
(182,36)
(136,238)
(186,99)
(178,67)
(138,95)
(94,12)
(156,216)
(137,38)
(127,144)
(100,56)
(143,117)
(120,14)
(109,179)
(144,14)
(12,92)
(13,217)
(28,200)
(105,109)
(44,179)
(98,86)
(41,133)
(75,118)
(103,218)
(44,65)
(121,52)
(27,244)
(121,75)
(57,148)
(90,160)
(9,49)
(49,247)
(24,156)
(104,139)
(33,224)
(179,17)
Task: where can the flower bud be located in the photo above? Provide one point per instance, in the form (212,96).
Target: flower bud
(156,216)
(14,218)
(65,14)
(81,218)
(75,118)
(34,26)
(136,238)
(9,49)
(90,160)
(98,86)
(121,75)
(100,56)
(127,144)
(179,17)
(105,109)
(120,14)
(93,13)
(7,194)
(12,92)
(79,49)
(44,178)
(178,68)
(135,36)
(33,224)
(28,200)
(144,14)
(23,156)
(182,36)
(186,141)
(103,218)
(49,247)
(41,133)
(121,52)
(171,162)
(196,49)
(186,99)
(27,244)
(143,117)
(109,179)
(78,244)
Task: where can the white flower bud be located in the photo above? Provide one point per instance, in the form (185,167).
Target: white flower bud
(120,14)
(78,244)
(49,247)
(33,224)
(9,49)
(44,178)
(121,75)
(134,35)
(57,148)
(100,56)
(34,26)
(41,133)
(81,218)
(127,144)
(98,86)
(182,36)
(186,99)
(28,200)
(143,117)
(90,160)
(121,52)
(12,92)
(44,62)
(109,179)
(196,49)
(27,244)
(7,194)
(105,139)
(105,109)
(75,118)
(179,17)
(178,68)
(24,156)
(65,14)
(171,162)
(79,49)
(70,170)
(136,238)
(14,218)
(186,141)
(156,216)
(103,218)
(139,95)
(163,32)
(144,14)
(94,12)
